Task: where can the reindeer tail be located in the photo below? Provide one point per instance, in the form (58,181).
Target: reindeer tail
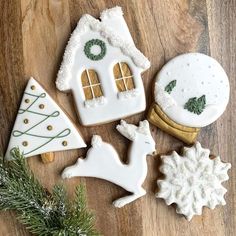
(96,141)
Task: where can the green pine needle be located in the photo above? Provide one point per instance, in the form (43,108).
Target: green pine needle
(43,213)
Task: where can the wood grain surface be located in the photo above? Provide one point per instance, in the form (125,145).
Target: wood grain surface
(33,35)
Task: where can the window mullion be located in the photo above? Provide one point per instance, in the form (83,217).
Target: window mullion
(123,77)
(90,84)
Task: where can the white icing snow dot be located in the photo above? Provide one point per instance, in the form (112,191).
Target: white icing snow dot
(95,49)
(196,75)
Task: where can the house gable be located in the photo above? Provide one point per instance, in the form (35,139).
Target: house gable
(105,29)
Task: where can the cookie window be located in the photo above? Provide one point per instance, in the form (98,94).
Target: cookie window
(123,77)
(91,84)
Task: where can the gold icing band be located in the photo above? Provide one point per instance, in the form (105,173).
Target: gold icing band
(158,118)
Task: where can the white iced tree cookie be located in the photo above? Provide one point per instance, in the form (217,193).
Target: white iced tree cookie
(193,180)
(102,161)
(41,127)
(191,91)
(102,67)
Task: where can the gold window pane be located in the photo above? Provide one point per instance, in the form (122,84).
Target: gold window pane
(93,77)
(84,79)
(117,71)
(120,85)
(125,69)
(97,90)
(88,93)
(130,83)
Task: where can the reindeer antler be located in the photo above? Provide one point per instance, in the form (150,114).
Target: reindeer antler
(144,127)
(127,130)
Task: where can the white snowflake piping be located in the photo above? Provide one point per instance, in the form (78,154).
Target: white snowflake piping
(95,102)
(193,181)
(88,22)
(163,98)
(128,94)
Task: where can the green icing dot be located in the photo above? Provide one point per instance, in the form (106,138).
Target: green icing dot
(88,46)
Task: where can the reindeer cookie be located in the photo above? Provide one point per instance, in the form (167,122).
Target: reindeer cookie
(102,68)
(102,161)
(191,91)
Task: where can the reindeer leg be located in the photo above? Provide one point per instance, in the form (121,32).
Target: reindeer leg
(127,199)
(72,171)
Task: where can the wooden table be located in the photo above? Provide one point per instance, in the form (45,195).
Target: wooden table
(33,37)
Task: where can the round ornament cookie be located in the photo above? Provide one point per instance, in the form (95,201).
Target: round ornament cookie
(191,91)
(193,180)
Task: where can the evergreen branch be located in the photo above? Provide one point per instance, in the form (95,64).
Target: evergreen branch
(42,213)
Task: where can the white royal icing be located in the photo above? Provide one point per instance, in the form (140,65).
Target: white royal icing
(163,98)
(128,94)
(95,102)
(102,161)
(41,126)
(196,74)
(113,31)
(193,181)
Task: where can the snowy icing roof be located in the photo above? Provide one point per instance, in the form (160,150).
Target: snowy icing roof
(88,22)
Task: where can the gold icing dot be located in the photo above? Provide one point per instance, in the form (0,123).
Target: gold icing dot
(49,127)
(64,143)
(32,87)
(26,121)
(25,143)
(27,100)
(41,106)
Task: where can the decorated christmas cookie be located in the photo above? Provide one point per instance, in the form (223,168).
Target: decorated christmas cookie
(193,181)
(102,67)
(191,91)
(41,127)
(102,161)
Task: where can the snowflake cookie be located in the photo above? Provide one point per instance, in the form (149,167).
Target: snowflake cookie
(193,180)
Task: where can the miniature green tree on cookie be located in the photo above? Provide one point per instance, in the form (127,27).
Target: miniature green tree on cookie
(196,105)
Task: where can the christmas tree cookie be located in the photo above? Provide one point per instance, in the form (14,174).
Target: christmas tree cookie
(193,180)
(191,91)
(41,127)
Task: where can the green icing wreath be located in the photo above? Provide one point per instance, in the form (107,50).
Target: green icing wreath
(88,46)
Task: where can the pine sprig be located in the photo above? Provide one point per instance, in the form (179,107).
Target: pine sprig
(42,213)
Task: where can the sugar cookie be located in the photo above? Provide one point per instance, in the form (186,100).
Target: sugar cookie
(41,127)
(102,67)
(191,91)
(193,180)
(102,161)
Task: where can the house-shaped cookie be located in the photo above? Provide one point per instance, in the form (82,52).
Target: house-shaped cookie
(102,67)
